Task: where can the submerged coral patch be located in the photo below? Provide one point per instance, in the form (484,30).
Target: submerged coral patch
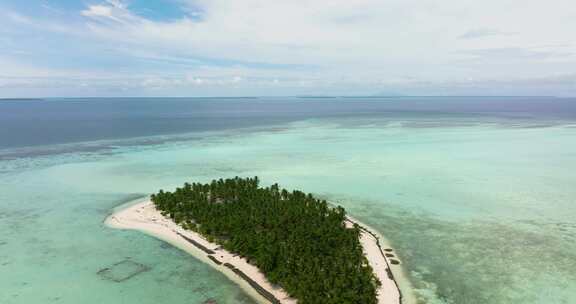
(122,270)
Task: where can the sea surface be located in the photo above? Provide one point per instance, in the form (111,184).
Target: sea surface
(477,195)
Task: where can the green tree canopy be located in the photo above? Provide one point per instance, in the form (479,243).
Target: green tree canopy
(295,239)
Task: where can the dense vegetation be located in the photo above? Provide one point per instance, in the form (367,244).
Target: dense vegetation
(298,241)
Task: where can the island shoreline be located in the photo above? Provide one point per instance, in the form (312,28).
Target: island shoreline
(141,215)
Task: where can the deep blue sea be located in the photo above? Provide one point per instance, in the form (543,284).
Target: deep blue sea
(58,120)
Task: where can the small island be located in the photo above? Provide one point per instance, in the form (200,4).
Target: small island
(288,246)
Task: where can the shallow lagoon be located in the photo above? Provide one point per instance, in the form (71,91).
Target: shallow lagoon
(479,211)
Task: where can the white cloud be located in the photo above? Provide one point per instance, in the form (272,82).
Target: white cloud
(98,11)
(482,33)
(113,10)
(344,33)
(344,43)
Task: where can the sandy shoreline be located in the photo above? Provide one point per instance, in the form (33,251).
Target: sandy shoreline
(144,217)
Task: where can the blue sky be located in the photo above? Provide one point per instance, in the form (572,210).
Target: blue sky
(273,47)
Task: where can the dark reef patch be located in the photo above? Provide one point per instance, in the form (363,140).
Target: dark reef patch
(122,271)
(214,260)
(389,273)
(198,245)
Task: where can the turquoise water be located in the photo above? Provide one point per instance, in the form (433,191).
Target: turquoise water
(479,212)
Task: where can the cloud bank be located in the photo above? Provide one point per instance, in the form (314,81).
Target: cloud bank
(272,47)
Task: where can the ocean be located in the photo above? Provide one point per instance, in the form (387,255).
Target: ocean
(475,193)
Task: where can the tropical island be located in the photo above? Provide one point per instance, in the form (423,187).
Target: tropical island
(289,246)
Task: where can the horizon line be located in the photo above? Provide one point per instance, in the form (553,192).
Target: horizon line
(286,96)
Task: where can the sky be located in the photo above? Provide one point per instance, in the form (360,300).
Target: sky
(66,48)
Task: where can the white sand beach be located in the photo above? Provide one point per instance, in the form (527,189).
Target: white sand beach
(144,217)
(389,292)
